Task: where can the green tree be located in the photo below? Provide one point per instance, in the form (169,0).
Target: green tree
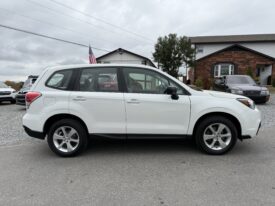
(171,52)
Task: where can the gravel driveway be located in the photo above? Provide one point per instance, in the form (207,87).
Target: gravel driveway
(11,130)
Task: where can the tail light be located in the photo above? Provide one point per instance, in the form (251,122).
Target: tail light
(31,97)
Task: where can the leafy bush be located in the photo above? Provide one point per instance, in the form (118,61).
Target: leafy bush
(208,83)
(257,79)
(273,83)
(199,82)
(250,72)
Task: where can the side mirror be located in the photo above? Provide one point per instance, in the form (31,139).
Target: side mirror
(173,92)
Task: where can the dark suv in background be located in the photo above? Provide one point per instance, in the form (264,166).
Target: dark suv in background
(20,97)
(242,85)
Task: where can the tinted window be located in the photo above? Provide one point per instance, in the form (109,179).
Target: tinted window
(60,79)
(99,80)
(147,81)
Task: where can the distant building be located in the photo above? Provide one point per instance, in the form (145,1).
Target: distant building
(123,56)
(226,55)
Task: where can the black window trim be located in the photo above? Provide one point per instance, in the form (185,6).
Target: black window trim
(71,80)
(122,87)
(125,89)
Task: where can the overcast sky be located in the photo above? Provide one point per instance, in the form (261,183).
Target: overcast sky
(23,54)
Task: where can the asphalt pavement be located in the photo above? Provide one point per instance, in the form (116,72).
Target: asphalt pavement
(159,172)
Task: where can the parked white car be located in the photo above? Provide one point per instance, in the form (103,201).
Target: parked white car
(7,93)
(70,103)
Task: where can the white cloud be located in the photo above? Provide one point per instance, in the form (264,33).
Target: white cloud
(23,54)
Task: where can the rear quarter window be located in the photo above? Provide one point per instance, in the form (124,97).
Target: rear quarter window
(60,80)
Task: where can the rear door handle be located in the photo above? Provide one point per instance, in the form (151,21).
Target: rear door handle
(133,101)
(79,99)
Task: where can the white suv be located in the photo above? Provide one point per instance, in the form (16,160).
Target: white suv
(70,103)
(6,93)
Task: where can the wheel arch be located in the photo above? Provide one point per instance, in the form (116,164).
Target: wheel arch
(57,117)
(231,117)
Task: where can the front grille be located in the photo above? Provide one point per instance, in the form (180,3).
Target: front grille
(252,93)
(5,93)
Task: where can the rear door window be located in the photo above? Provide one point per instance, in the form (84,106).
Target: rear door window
(99,80)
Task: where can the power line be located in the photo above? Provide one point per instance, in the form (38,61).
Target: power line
(66,15)
(49,37)
(45,22)
(101,20)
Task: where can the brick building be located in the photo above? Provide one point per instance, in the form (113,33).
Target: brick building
(226,55)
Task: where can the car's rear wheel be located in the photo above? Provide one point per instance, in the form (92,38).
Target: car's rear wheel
(67,137)
(216,135)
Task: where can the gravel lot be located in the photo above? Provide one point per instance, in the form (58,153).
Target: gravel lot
(11,130)
(135,172)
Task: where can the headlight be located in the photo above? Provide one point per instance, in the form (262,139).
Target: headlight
(247,102)
(264,92)
(236,91)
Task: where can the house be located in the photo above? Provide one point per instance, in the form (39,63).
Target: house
(236,54)
(123,56)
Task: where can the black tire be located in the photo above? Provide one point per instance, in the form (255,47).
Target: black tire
(215,120)
(82,134)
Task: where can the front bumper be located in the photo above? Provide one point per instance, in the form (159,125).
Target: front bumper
(6,98)
(35,134)
(20,99)
(248,136)
(251,123)
(259,99)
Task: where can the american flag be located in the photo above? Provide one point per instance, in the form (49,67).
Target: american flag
(92,58)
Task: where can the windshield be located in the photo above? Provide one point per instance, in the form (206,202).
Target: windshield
(3,85)
(240,80)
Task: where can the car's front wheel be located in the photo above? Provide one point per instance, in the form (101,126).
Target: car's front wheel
(216,135)
(67,137)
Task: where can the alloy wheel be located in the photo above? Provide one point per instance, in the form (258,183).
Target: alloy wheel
(66,139)
(217,136)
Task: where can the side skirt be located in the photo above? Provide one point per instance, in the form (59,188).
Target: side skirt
(140,136)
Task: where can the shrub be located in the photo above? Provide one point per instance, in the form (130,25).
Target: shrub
(208,83)
(273,82)
(257,79)
(250,72)
(199,82)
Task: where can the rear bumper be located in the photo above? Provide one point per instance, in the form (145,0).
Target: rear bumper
(35,134)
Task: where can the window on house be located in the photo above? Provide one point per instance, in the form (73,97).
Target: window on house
(223,69)
(199,49)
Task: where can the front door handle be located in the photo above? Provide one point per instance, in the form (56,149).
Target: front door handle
(133,101)
(79,99)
